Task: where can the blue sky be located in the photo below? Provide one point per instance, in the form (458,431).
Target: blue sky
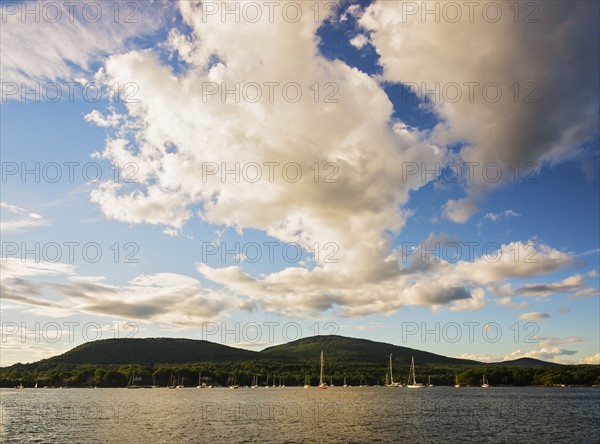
(401,243)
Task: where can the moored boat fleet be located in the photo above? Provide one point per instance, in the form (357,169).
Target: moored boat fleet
(178,382)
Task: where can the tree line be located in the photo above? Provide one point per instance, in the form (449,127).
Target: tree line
(288,373)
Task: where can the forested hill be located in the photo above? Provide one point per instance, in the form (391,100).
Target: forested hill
(149,351)
(337,349)
(112,362)
(342,349)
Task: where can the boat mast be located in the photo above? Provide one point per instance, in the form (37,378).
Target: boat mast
(321,377)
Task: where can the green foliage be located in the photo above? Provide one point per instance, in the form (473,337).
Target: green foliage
(111,363)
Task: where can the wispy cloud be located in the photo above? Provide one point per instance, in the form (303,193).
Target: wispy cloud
(551,354)
(167,298)
(14,219)
(572,283)
(534,316)
(37,50)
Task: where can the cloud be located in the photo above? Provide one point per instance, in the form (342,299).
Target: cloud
(560,79)
(178,131)
(154,207)
(551,341)
(534,316)
(515,259)
(569,284)
(478,357)
(589,252)
(548,349)
(475,302)
(497,217)
(36,50)
(461,210)
(13,348)
(593,360)
(354,11)
(494,217)
(359,41)
(15,219)
(458,285)
(162,297)
(110,120)
(544,353)
(15,268)
(356,139)
(586,293)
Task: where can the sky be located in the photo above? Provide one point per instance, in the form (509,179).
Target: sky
(251,173)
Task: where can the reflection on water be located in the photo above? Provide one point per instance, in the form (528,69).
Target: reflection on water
(294,415)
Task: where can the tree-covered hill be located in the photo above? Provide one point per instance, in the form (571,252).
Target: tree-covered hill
(112,362)
(527,362)
(339,349)
(147,351)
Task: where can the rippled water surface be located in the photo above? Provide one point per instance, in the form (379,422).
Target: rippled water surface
(294,415)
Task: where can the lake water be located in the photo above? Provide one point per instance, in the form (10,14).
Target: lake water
(295,415)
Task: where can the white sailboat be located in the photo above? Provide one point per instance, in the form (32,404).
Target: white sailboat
(171,384)
(322,383)
(306,381)
(456,384)
(484,383)
(200,385)
(132,384)
(180,382)
(429,384)
(345,385)
(255,382)
(233,383)
(391,382)
(412,378)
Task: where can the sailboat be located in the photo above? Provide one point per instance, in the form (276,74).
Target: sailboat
(254,382)
(322,384)
(331,382)
(154,382)
(429,384)
(412,378)
(35,386)
(180,382)
(233,383)
(456,384)
(132,384)
(200,385)
(306,381)
(391,376)
(171,384)
(485,383)
(345,385)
